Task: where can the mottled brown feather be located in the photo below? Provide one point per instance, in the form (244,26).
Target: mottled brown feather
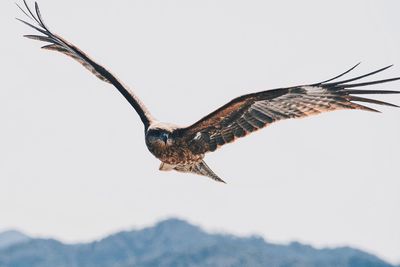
(252,112)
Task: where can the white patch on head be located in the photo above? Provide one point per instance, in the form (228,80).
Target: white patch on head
(164,126)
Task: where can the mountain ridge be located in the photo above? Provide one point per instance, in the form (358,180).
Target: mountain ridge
(12,237)
(175,242)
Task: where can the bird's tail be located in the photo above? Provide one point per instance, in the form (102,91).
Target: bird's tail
(200,168)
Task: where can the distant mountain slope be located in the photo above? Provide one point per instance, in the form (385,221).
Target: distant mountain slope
(175,243)
(10,238)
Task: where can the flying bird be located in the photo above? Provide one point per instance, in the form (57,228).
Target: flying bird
(183,148)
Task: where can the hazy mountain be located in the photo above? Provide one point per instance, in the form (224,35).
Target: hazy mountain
(10,238)
(176,243)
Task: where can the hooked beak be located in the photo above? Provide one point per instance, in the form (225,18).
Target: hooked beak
(165,139)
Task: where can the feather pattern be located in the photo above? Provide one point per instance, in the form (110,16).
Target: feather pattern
(57,43)
(252,112)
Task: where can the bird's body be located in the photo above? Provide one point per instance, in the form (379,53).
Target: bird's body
(183,148)
(168,144)
(165,143)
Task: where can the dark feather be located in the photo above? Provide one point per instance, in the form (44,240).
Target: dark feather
(373,101)
(30,12)
(370,83)
(23,11)
(39,16)
(370,92)
(41,38)
(358,78)
(59,44)
(34,27)
(340,75)
(252,112)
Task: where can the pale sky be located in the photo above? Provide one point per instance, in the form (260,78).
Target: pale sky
(73,162)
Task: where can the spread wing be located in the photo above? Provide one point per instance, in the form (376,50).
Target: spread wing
(252,112)
(56,43)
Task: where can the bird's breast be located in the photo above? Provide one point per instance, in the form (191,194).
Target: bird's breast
(174,154)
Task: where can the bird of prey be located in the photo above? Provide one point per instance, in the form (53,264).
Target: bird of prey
(183,148)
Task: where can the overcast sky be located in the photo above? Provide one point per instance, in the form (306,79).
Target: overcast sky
(73,162)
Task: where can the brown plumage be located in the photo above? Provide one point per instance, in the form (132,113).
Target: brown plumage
(183,148)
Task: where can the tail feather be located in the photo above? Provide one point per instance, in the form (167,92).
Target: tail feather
(200,168)
(203,169)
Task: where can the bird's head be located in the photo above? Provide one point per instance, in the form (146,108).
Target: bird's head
(160,135)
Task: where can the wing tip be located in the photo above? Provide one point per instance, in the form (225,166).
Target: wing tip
(345,83)
(365,108)
(338,76)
